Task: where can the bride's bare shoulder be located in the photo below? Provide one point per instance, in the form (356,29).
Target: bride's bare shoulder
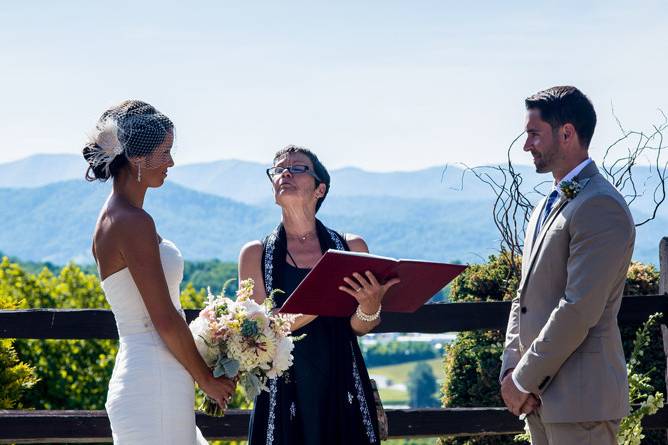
(123,224)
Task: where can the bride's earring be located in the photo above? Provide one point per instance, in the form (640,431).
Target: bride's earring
(138,172)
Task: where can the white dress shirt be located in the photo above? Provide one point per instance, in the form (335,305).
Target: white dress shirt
(572,174)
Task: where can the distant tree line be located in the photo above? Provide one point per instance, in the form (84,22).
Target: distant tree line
(394,353)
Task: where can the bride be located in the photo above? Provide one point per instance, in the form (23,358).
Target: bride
(151,391)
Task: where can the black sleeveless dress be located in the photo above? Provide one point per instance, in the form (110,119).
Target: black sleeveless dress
(325,398)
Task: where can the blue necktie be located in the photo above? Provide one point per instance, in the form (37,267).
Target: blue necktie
(548,208)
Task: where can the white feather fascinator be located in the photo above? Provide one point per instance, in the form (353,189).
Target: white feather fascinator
(103,144)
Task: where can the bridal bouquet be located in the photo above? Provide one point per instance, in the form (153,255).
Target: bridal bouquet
(243,340)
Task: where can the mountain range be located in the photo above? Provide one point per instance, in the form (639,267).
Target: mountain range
(211,209)
(246,182)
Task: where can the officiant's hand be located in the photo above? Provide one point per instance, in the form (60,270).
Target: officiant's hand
(512,396)
(367,290)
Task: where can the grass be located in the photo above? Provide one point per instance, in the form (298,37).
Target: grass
(393,396)
(424,441)
(399,375)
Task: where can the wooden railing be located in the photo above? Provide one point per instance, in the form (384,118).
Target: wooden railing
(43,426)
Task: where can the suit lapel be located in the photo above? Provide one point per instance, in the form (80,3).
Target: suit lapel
(584,177)
(531,230)
(536,245)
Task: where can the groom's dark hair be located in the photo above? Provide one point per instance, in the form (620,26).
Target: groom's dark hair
(565,105)
(318,168)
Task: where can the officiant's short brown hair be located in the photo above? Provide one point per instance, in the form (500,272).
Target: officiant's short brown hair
(563,105)
(318,168)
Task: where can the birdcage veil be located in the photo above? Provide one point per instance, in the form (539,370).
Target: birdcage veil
(133,129)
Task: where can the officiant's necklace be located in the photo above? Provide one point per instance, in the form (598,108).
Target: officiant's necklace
(302,238)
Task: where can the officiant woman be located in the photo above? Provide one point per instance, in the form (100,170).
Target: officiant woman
(326,396)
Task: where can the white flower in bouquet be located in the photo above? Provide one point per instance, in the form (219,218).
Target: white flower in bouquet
(283,359)
(204,341)
(251,346)
(243,339)
(252,309)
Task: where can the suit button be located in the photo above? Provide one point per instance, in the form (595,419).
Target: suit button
(524,309)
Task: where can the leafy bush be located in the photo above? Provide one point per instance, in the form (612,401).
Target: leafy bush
(472,362)
(200,274)
(641,390)
(213,273)
(16,377)
(73,373)
(491,281)
(643,279)
(472,369)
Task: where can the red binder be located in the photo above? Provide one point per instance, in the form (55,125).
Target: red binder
(319,294)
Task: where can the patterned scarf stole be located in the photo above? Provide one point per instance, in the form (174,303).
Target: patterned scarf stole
(276,247)
(275,251)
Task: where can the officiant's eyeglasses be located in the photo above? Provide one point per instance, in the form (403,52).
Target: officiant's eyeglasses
(273,172)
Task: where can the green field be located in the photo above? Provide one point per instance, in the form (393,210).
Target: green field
(427,441)
(399,375)
(393,396)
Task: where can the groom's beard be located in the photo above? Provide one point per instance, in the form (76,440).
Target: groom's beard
(544,162)
(541,165)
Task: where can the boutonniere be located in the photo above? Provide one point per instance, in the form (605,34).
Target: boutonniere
(570,189)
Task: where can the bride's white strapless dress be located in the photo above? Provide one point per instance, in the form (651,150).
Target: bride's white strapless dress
(151,395)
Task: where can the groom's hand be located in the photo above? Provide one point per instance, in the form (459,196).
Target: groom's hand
(512,396)
(530,405)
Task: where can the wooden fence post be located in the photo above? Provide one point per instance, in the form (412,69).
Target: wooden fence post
(664,334)
(663,288)
(663,265)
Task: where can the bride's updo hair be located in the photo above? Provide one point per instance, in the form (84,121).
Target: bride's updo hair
(131,129)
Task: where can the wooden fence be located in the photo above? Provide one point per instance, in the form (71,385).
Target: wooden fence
(44,426)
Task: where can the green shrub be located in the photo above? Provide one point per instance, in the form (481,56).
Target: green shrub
(16,377)
(641,390)
(472,362)
(643,279)
(73,373)
(491,281)
(212,273)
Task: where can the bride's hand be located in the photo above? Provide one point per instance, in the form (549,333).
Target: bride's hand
(220,389)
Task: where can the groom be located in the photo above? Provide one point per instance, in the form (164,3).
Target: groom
(563,363)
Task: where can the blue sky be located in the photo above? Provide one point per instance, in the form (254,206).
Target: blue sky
(383,85)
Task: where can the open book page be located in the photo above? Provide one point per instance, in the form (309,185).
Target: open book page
(362,254)
(380,257)
(319,293)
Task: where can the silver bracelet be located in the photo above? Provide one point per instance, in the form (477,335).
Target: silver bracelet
(366,317)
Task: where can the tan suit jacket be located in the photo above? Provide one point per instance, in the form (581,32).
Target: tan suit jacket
(562,333)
